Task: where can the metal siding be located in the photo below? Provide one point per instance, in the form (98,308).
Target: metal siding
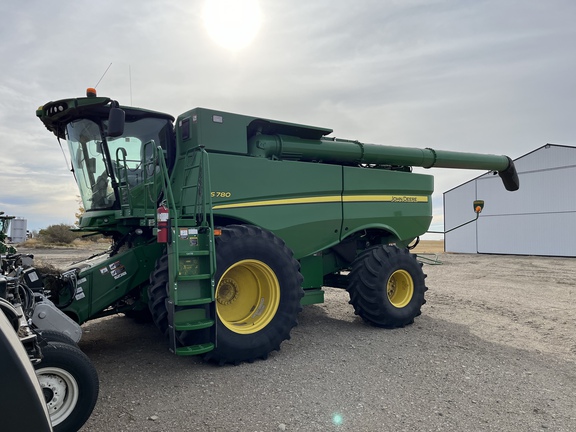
(458,206)
(549,156)
(462,240)
(538,219)
(550,234)
(543,191)
(458,209)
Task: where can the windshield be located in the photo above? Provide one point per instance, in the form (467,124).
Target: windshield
(122,162)
(89,163)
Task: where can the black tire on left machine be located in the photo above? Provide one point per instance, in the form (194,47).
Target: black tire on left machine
(69,383)
(55,336)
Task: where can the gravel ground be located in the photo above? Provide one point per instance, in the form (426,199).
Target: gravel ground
(494,349)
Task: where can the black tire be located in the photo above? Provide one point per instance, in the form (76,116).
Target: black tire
(158,294)
(56,336)
(386,286)
(244,250)
(11,313)
(70,385)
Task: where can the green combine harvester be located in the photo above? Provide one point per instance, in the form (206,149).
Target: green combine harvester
(224,225)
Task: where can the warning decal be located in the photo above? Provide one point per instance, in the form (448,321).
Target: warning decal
(117,270)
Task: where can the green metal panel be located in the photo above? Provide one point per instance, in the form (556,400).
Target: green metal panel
(110,278)
(397,201)
(189,263)
(299,202)
(312,296)
(216,130)
(227,132)
(312,270)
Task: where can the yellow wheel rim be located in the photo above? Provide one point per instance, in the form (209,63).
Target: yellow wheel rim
(400,288)
(247,296)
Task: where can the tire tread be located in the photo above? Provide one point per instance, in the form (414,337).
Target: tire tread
(367,286)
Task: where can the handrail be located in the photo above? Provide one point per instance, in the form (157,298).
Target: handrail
(166,186)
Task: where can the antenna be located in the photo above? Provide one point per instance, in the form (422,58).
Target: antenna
(103,75)
(130,78)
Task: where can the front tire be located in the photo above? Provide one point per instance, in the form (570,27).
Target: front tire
(70,385)
(158,294)
(386,286)
(258,292)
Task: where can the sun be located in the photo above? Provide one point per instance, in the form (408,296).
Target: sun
(232,24)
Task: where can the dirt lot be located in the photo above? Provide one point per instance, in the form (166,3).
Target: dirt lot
(494,349)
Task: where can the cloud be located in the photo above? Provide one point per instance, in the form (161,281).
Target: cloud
(479,76)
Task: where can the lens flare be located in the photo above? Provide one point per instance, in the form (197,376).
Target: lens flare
(337,419)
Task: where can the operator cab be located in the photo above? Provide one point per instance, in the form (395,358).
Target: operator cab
(110,154)
(102,164)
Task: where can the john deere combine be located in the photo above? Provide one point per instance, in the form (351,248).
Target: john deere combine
(223,225)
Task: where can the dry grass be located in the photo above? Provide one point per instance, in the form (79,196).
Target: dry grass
(36,243)
(429,246)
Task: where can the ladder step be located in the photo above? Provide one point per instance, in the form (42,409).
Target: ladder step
(195,253)
(194,349)
(194,302)
(193,325)
(193,277)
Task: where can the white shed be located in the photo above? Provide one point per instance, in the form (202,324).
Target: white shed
(537,219)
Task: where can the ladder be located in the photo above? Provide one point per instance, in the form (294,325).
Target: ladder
(191,257)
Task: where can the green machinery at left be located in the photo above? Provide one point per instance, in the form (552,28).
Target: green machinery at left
(224,225)
(4,226)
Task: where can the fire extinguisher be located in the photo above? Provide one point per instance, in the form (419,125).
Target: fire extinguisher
(162,224)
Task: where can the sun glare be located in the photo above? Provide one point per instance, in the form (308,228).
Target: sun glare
(232,24)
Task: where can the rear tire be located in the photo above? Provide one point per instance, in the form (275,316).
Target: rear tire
(70,385)
(386,286)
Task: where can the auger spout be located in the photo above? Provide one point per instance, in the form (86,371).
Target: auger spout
(339,151)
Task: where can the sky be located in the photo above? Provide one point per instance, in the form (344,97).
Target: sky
(480,76)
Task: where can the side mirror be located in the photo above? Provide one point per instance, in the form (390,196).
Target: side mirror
(115,122)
